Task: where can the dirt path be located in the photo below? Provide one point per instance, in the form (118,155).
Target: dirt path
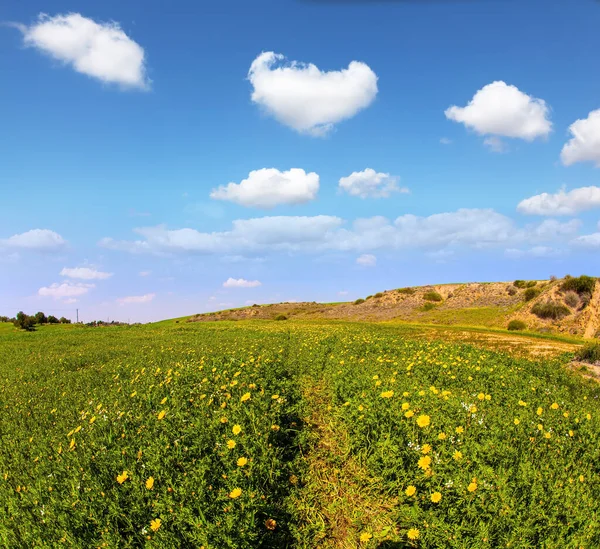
(339,501)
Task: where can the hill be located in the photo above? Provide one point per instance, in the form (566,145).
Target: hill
(568,306)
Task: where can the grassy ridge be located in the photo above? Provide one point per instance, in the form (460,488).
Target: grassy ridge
(214,434)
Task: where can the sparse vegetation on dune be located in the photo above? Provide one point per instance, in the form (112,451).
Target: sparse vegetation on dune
(297,434)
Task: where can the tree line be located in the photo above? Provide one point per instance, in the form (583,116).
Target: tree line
(28,322)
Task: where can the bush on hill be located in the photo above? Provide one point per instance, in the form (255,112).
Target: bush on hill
(531,293)
(359,301)
(590,352)
(432,296)
(517,325)
(581,284)
(550,309)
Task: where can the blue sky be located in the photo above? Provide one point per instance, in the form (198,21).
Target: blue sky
(119,119)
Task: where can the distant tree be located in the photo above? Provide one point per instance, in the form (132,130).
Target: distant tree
(64,320)
(40,318)
(4,319)
(25,322)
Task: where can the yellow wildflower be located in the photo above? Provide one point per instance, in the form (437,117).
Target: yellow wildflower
(235,493)
(155,524)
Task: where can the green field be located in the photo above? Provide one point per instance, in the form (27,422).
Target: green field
(290,434)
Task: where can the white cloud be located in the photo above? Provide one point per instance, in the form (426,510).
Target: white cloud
(366,260)
(562,202)
(307,99)
(145,273)
(370,183)
(584,146)
(85,273)
(342,292)
(503,110)
(66,289)
(536,251)
(36,239)
(241,283)
(133,299)
(445,141)
(99,50)
(269,187)
(495,144)
(588,240)
(473,228)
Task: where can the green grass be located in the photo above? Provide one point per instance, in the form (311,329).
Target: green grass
(334,428)
(474,316)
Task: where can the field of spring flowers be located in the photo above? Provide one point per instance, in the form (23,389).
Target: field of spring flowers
(197,435)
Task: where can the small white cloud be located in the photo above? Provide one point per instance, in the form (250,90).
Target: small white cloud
(269,187)
(445,141)
(366,260)
(342,293)
(495,144)
(99,50)
(145,273)
(562,202)
(66,289)
(536,251)
(85,273)
(584,146)
(309,100)
(133,299)
(36,239)
(241,283)
(370,183)
(503,110)
(70,301)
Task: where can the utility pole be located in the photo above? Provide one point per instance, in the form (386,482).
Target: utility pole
(77,315)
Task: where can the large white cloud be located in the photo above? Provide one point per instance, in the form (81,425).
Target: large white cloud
(66,289)
(562,202)
(584,146)
(474,228)
(589,240)
(307,99)
(503,110)
(136,299)
(241,283)
(85,273)
(370,183)
(99,50)
(35,239)
(269,187)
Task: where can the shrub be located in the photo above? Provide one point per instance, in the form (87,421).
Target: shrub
(531,284)
(590,352)
(550,309)
(40,318)
(517,325)
(530,293)
(52,319)
(406,291)
(359,301)
(64,320)
(369,297)
(25,322)
(582,284)
(428,307)
(553,278)
(432,296)
(378,294)
(281,317)
(519,284)
(572,299)
(511,290)
(585,298)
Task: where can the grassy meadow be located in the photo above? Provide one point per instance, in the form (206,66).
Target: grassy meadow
(290,434)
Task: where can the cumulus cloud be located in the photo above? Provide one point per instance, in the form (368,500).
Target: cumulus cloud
(307,99)
(495,144)
(584,146)
(133,299)
(588,240)
(562,202)
(84,273)
(100,50)
(370,183)
(366,260)
(66,289)
(241,283)
(269,187)
(502,110)
(36,240)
